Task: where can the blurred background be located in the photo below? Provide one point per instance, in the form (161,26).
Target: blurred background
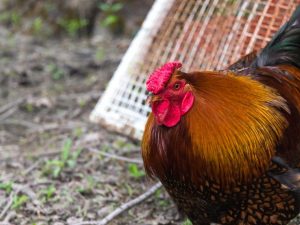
(56,58)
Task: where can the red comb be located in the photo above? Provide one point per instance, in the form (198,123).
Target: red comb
(160,77)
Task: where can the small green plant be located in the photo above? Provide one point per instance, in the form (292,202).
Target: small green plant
(15,18)
(88,187)
(105,148)
(48,193)
(120,143)
(158,193)
(134,171)
(72,26)
(111,7)
(112,18)
(100,54)
(82,103)
(11,17)
(55,71)
(29,107)
(187,222)
(18,201)
(53,168)
(67,160)
(129,189)
(161,201)
(37,25)
(7,187)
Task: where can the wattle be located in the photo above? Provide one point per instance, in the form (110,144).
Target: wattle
(173,116)
(169,113)
(187,102)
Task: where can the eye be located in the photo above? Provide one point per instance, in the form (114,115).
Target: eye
(176,86)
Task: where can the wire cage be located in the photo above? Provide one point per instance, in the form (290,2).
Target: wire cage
(203,34)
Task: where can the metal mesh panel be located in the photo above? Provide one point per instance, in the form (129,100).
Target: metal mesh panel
(203,34)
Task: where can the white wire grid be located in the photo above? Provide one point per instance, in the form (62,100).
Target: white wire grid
(203,34)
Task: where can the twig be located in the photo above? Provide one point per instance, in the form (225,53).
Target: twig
(23,123)
(130,151)
(53,126)
(8,113)
(92,94)
(8,217)
(11,104)
(32,167)
(126,206)
(43,154)
(38,154)
(5,223)
(9,203)
(112,156)
(25,189)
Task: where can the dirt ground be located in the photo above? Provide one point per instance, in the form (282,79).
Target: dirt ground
(55,166)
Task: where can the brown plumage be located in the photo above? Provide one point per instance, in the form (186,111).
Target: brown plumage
(226,144)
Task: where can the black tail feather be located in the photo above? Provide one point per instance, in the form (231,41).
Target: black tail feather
(284,48)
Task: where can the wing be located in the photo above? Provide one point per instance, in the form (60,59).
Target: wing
(244,62)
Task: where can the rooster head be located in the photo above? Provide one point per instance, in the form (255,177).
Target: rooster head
(171,96)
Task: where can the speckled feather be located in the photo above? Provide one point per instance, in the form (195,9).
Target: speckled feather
(243,204)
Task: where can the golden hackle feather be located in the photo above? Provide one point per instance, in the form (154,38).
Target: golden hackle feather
(235,125)
(229,135)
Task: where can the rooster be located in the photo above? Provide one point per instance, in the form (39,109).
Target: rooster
(226,144)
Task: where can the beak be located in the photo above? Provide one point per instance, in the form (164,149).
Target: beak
(152,98)
(149,98)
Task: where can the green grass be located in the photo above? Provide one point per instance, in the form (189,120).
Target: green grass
(19,200)
(37,25)
(88,187)
(112,18)
(187,222)
(72,26)
(135,172)
(67,159)
(48,193)
(7,187)
(56,72)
